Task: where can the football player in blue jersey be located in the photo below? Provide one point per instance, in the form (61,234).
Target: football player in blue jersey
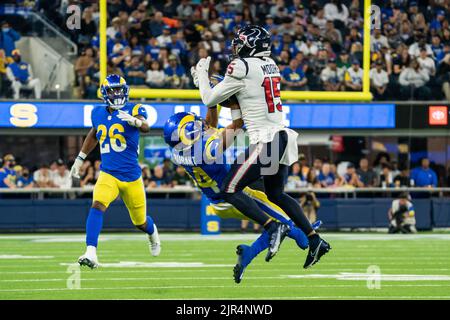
(116,126)
(198,146)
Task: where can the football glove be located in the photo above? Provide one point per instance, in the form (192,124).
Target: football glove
(203,65)
(132,121)
(75,170)
(194,76)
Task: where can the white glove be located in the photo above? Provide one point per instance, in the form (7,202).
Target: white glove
(132,121)
(75,170)
(194,76)
(203,65)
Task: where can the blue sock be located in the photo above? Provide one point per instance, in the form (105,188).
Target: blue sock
(150,227)
(299,237)
(260,244)
(94,225)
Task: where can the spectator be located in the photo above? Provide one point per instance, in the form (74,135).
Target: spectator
(402,179)
(62,178)
(426,63)
(366,175)
(159,179)
(184,9)
(379,81)
(21,75)
(332,77)
(443,76)
(310,204)
(336,11)
(82,65)
(176,74)
(378,40)
(43,178)
(293,77)
(4,82)
(424,176)
(88,179)
(386,176)
(413,82)
(24,179)
(317,166)
(354,76)
(8,38)
(88,27)
(165,38)
(295,178)
(180,178)
(157,24)
(351,178)
(326,178)
(7,174)
(135,72)
(156,78)
(402,216)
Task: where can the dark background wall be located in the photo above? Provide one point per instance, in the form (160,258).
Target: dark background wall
(184,214)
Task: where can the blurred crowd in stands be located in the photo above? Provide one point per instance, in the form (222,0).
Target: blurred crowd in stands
(303,174)
(317,44)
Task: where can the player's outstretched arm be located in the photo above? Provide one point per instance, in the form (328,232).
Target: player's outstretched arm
(137,121)
(225,89)
(88,145)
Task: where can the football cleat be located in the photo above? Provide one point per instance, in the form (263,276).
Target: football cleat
(244,258)
(89,260)
(154,243)
(317,248)
(276,237)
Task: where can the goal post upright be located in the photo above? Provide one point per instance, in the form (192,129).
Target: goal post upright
(189,94)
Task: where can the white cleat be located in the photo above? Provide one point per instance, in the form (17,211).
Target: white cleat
(89,258)
(154,243)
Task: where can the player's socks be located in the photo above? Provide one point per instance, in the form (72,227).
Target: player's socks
(94,224)
(260,244)
(299,237)
(150,226)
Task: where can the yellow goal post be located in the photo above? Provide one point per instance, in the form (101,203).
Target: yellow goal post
(364,95)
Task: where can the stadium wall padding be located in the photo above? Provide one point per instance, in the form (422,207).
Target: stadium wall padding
(184,214)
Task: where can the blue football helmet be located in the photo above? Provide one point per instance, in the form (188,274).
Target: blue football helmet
(183,129)
(115,91)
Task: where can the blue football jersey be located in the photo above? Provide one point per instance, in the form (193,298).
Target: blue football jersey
(119,142)
(201,164)
(7,173)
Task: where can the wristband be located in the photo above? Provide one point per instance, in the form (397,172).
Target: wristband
(82,156)
(236,114)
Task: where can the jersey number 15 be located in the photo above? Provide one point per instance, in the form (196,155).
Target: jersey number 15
(271,87)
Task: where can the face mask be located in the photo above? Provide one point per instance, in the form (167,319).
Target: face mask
(6,29)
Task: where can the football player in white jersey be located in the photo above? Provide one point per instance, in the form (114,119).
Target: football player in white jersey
(254,79)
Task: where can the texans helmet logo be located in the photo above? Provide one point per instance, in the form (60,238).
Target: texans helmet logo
(250,39)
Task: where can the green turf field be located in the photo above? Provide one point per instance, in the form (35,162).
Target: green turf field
(196,267)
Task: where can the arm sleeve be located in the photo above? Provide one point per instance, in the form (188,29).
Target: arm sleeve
(232,84)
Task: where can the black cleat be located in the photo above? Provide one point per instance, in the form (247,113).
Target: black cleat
(317,248)
(276,237)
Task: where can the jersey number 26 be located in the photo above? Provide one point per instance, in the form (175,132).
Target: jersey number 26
(117,141)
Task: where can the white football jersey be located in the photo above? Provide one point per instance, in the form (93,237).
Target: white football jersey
(259,100)
(256,83)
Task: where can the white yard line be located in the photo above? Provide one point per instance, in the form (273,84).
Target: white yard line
(222,237)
